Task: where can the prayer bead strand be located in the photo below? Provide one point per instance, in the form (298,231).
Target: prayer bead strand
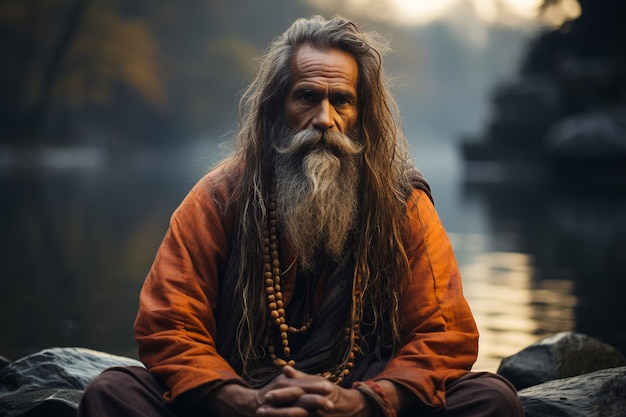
(272,276)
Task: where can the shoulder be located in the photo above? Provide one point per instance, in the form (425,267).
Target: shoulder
(216,186)
(420,204)
(422,219)
(210,197)
(416,181)
(219,177)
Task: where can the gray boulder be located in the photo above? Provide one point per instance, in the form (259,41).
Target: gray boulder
(597,394)
(562,355)
(559,376)
(3,362)
(51,382)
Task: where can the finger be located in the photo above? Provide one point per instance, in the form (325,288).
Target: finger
(268,411)
(284,395)
(291,372)
(310,383)
(315,402)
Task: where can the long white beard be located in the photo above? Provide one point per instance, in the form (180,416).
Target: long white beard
(317,187)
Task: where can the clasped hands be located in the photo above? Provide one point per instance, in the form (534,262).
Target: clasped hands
(292,394)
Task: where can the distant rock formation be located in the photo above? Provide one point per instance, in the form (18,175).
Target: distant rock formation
(566,111)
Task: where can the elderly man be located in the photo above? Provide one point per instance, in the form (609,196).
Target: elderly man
(308,273)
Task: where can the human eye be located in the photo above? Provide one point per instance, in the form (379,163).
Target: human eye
(342,100)
(306,96)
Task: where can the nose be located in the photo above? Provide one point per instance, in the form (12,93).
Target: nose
(323,119)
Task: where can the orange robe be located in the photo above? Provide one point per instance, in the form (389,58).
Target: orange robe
(176,328)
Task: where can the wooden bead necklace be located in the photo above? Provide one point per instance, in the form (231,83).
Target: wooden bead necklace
(272,276)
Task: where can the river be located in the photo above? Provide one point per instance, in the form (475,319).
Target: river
(79,235)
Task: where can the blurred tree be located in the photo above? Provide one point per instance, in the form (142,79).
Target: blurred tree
(586,55)
(26,33)
(128,72)
(597,31)
(112,50)
(70,55)
(566,108)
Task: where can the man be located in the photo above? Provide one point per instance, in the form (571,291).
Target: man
(308,273)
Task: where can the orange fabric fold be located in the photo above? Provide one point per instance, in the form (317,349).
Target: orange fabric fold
(176,329)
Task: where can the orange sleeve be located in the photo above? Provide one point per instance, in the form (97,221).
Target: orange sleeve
(440,335)
(175,327)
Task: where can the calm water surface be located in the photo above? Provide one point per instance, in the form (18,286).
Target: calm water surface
(77,243)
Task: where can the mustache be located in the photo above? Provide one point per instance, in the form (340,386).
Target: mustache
(308,140)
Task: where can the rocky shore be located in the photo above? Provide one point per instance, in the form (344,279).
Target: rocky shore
(564,375)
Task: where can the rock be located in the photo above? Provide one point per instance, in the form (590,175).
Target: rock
(45,402)
(3,362)
(597,394)
(558,376)
(562,355)
(51,382)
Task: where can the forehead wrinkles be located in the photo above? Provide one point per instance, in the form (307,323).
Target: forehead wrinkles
(331,65)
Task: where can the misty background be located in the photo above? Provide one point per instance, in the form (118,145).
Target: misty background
(111,110)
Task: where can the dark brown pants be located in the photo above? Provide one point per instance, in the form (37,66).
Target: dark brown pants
(134,392)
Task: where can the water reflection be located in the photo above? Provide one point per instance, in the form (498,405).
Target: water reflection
(511,309)
(562,269)
(77,243)
(536,258)
(76,246)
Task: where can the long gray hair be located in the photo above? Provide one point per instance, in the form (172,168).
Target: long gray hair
(380,257)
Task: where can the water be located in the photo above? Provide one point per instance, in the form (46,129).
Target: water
(78,239)
(536,259)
